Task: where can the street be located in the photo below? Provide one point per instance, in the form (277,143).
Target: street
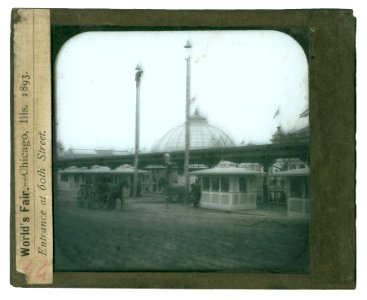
(148,236)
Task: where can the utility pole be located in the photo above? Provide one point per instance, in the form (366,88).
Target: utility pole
(138,74)
(187,123)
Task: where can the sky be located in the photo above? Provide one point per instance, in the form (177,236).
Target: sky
(239,80)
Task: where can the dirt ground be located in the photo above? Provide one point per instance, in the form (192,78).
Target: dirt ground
(148,236)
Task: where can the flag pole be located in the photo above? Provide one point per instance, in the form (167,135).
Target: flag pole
(187,123)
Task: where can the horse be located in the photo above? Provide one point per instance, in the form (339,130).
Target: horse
(175,192)
(116,192)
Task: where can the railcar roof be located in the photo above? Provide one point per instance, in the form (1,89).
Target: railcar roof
(293,172)
(227,171)
(124,169)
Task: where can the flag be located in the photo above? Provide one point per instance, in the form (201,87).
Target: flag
(277,113)
(304,114)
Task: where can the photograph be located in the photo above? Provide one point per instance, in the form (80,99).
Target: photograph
(181,150)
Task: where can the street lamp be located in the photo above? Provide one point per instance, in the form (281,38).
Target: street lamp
(188,48)
(138,75)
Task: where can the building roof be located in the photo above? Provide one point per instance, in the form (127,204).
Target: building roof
(198,166)
(127,169)
(293,172)
(123,169)
(300,135)
(77,152)
(99,169)
(93,152)
(155,167)
(226,168)
(202,136)
(191,166)
(74,169)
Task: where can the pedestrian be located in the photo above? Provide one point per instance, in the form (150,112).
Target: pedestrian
(117,196)
(196,192)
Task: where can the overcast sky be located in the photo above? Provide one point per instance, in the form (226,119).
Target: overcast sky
(239,80)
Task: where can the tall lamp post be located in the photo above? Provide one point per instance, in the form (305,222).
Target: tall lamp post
(138,74)
(187,123)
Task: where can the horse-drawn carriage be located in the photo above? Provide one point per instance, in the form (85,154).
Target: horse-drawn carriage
(178,193)
(100,194)
(175,192)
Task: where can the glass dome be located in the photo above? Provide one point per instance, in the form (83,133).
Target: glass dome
(202,135)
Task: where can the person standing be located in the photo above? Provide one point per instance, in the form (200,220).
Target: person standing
(196,192)
(117,196)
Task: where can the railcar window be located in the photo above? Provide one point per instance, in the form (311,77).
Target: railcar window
(298,187)
(242,185)
(224,184)
(64,178)
(215,184)
(206,184)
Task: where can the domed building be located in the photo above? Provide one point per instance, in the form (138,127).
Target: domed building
(202,136)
